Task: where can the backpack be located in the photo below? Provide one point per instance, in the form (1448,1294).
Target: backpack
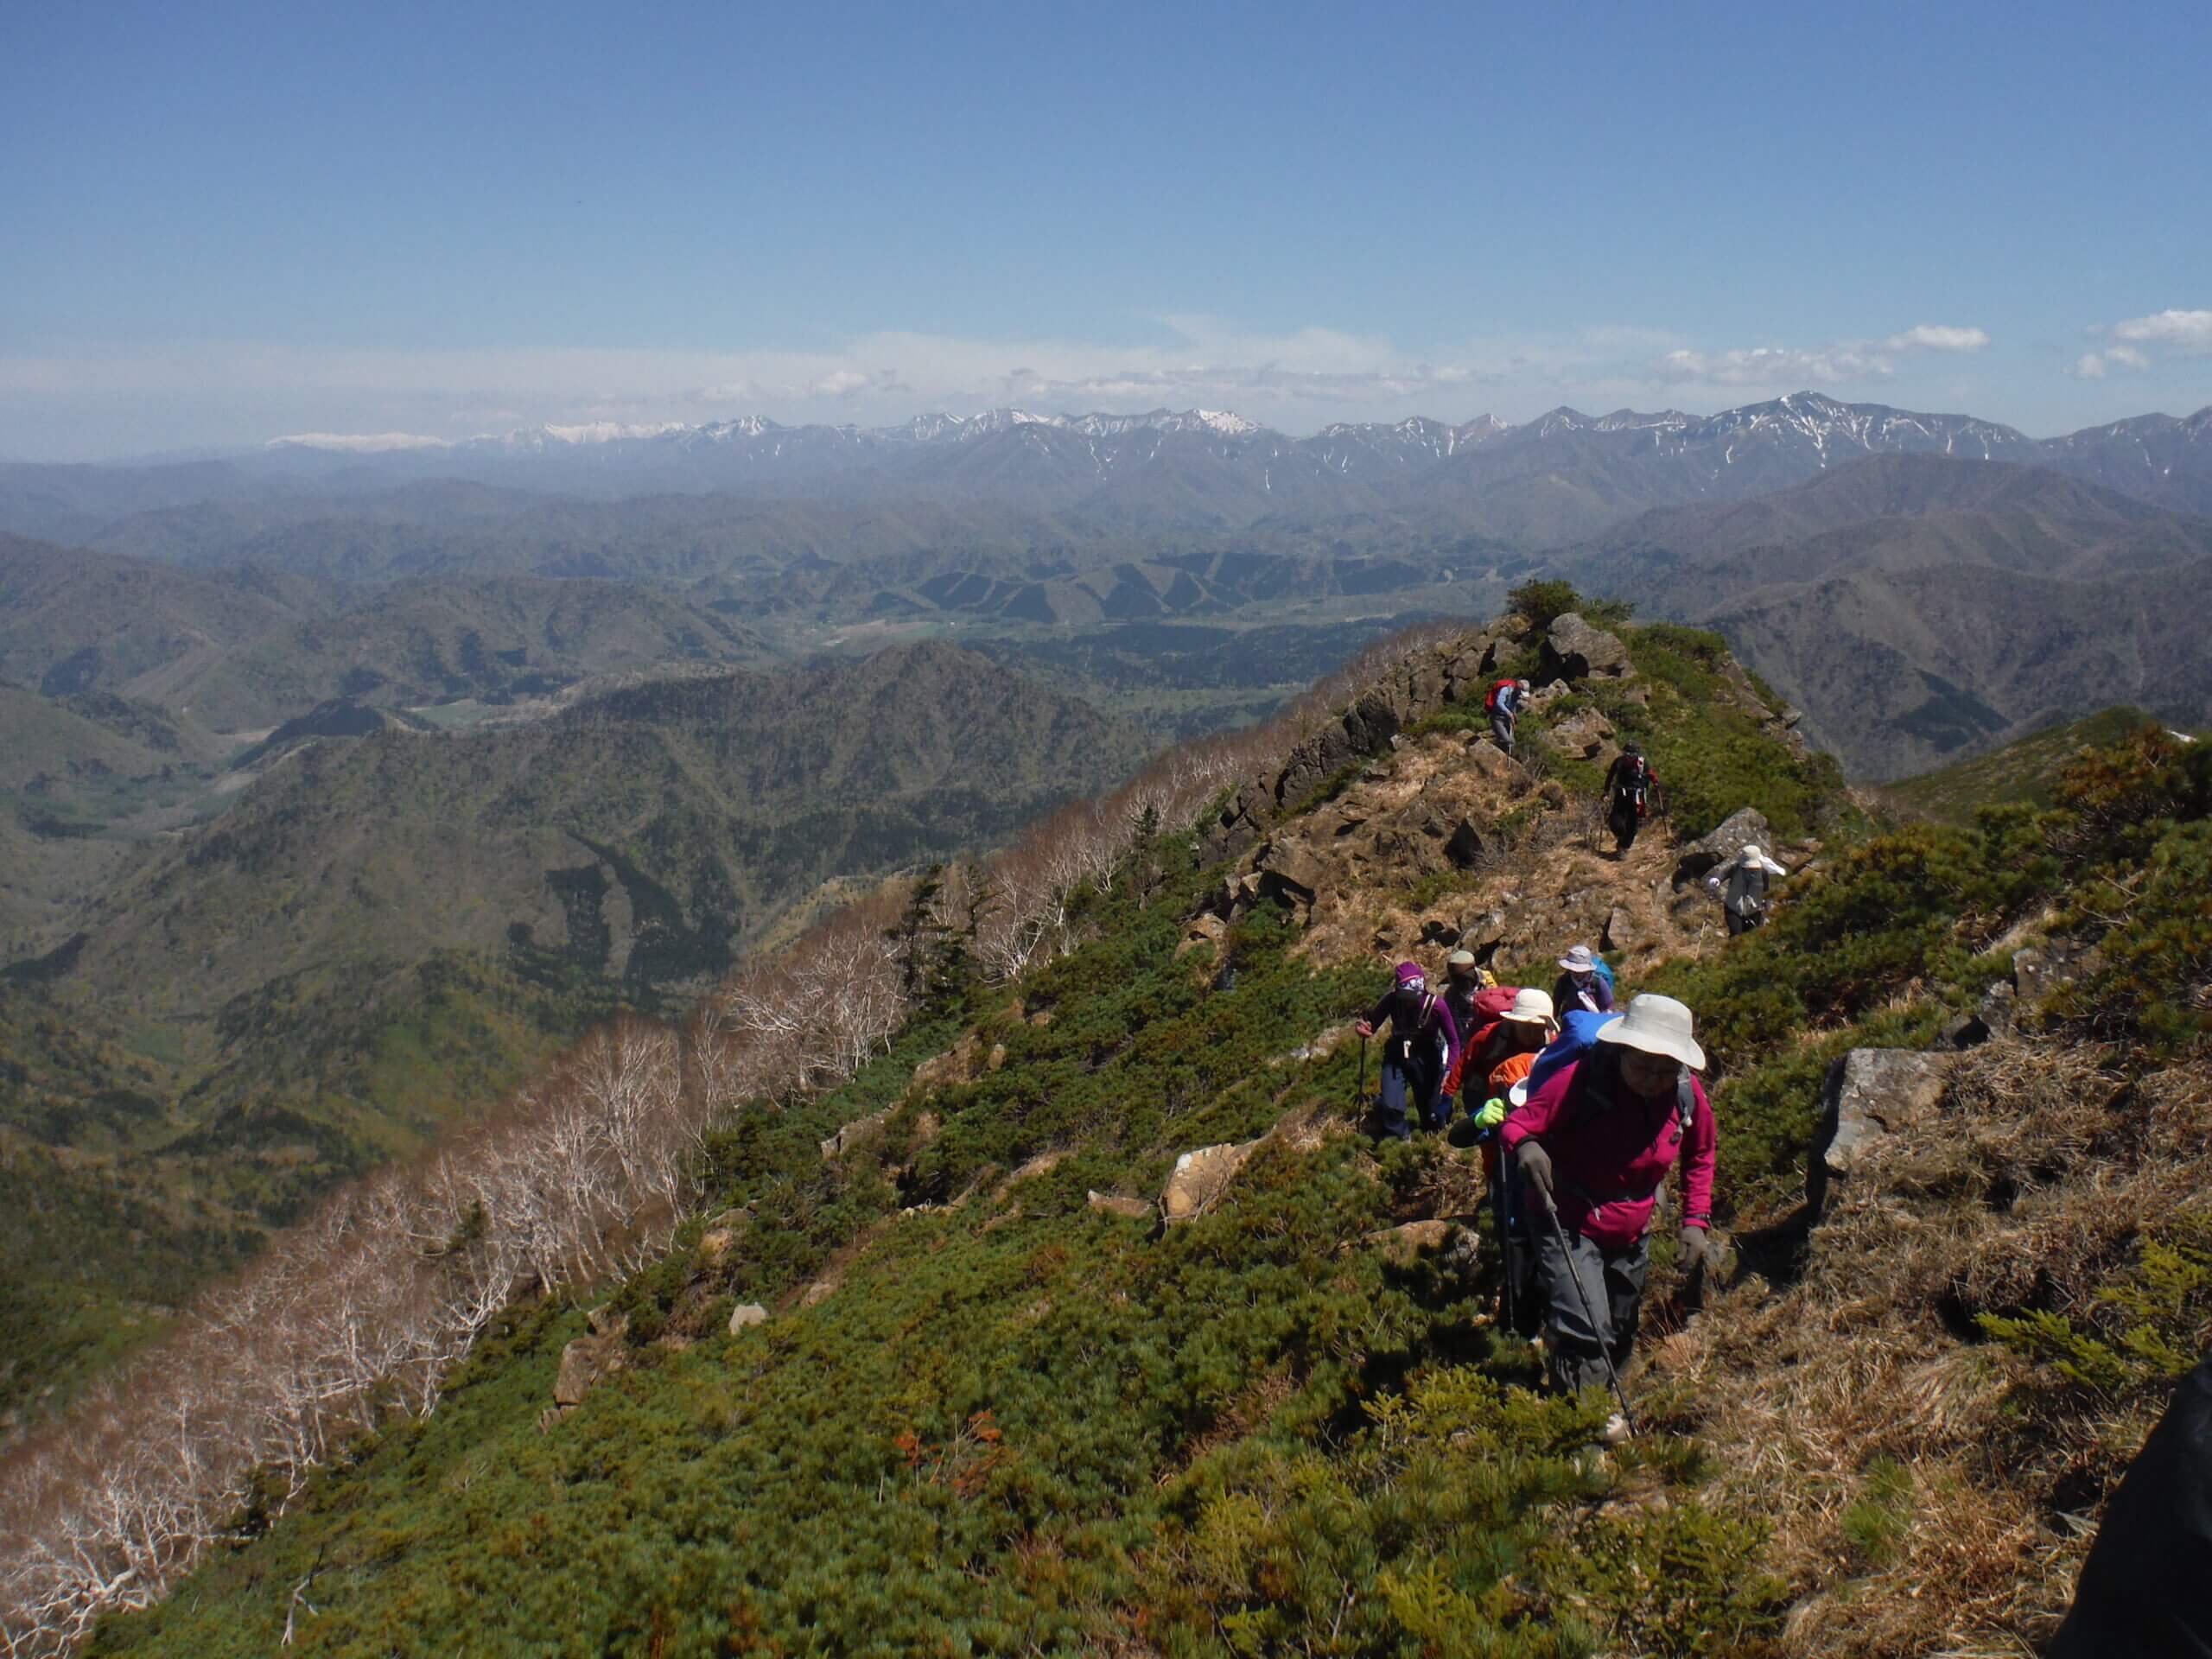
(1490,1005)
(1604,969)
(1635,785)
(1490,704)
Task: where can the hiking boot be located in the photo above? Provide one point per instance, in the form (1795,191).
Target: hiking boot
(1615,1431)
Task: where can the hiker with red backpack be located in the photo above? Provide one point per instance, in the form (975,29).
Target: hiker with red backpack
(1631,786)
(1504,706)
(1593,1146)
(1423,1048)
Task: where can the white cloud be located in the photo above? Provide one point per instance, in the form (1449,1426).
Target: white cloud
(2187,331)
(2168,333)
(1783,365)
(2093,366)
(1937,337)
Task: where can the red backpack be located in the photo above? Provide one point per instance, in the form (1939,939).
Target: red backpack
(1491,1004)
(1490,703)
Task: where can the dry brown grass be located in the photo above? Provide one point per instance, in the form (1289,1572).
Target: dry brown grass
(2024,1193)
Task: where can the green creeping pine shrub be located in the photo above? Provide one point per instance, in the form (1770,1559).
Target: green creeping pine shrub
(1544,603)
(2152,981)
(2146,1331)
(1004,1430)
(1711,755)
(1880,1517)
(1433,1529)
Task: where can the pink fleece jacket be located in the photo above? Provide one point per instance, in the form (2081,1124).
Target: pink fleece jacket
(1610,1165)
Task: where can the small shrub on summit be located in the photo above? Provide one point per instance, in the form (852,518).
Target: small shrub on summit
(1544,603)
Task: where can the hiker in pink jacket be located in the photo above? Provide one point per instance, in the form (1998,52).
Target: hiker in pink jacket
(1593,1146)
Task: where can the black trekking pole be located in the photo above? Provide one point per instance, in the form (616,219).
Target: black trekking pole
(1605,1348)
(1505,1237)
(1359,1095)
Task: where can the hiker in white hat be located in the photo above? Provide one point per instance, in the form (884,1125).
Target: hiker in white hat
(1741,883)
(1593,1144)
(1585,981)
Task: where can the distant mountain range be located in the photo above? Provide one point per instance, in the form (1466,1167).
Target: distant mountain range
(1916,607)
(404,572)
(1557,478)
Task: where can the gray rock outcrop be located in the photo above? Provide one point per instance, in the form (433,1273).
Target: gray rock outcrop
(1871,1094)
(1742,826)
(1572,649)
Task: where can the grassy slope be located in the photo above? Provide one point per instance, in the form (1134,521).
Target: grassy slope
(2025,771)
(1015,1425)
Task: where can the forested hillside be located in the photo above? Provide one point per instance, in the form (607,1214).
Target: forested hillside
(879,1310)
(385,932)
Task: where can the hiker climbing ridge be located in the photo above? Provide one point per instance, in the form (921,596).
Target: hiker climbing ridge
(1628,791)
(1593,1146)
(1741,883)
(1424,1047)
(1506,700)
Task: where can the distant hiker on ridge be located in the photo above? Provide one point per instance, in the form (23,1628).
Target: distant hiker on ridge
(1593,1146)
(1505,703)
(1628,790)
(1423,1047)
(1585,981)
(1741,883)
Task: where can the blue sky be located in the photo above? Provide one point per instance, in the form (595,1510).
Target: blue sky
(227,222)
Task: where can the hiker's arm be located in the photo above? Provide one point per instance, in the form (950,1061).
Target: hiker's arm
(1537,1115)
(1375,1016)
(1451,1029)
(1698,1158)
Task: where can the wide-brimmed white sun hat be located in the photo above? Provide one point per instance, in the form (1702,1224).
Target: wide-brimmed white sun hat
(1531,1008)
(1657,1024)
(1755,854)
(1579,961)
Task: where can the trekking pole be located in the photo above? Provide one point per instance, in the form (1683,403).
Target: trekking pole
(1359,1095)
(1505,1240)
(1605,1348)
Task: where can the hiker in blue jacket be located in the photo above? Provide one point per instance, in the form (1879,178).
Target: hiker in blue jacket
(1585,981)
(1424,1043)
(1506,700)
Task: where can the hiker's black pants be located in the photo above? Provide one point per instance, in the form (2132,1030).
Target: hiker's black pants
(1501,728)
(1739,923)
(1413,1090)
(1625,823)
(1612,1286)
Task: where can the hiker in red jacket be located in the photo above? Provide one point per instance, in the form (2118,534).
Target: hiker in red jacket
(1593,1146)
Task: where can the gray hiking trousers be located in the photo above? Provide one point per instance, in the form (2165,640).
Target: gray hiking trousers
(1613,1282)
(1501,728)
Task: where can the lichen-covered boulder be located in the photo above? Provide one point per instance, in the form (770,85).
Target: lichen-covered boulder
(1200,1178)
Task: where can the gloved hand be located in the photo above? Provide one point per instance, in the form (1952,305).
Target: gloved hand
(1492,1113)
(1536,1171)
(1696,1251)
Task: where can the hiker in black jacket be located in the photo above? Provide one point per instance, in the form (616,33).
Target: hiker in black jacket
(2144,1590)
(1629,787)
